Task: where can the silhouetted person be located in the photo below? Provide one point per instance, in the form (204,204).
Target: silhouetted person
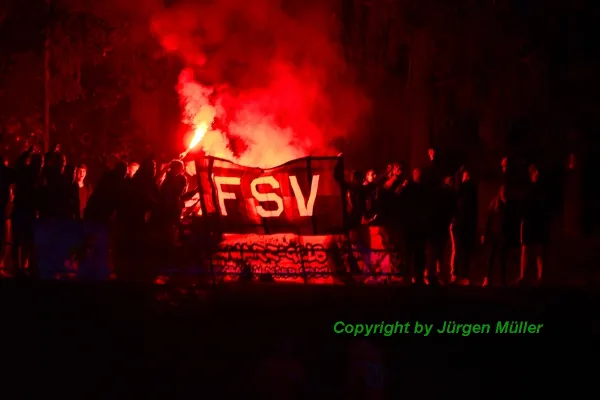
(7,178)
(57,189)
(509,178)
(464,227)
(355,200)
(173,187)
(101,206)
(359,219)
(372,222)
(390,212)
(144,197)
(139,199)
(388,194)
(56,233)
(534,226)
(103,202)
(27,180)
(416,221)
(443,206)
(501,233)
(84,189)
(370,197)
(432,171)
(166,216)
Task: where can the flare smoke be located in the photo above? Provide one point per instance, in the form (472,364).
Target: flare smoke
(266,76)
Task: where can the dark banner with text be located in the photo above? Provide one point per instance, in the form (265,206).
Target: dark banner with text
(302,196)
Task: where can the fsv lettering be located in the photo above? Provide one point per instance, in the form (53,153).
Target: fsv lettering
(305,207)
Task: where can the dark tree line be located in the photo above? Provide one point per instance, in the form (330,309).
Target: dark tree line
(474,76)
(471,76)
(94,66)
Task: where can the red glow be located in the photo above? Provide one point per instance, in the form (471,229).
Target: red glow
(273,84)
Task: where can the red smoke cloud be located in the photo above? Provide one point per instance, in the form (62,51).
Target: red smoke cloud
(269,80)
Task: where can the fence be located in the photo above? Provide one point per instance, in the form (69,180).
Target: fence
(304,264)
(335,260)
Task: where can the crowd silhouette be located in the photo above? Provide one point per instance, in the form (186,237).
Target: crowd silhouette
(58,223)
(128,226)
(423,212)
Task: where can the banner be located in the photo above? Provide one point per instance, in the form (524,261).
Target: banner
(300,197)
(312,259)
(287,258)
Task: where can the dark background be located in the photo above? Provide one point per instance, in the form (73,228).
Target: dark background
(121,340)
(473,77)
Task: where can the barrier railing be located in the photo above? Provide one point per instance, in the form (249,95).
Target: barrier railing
(340,262)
